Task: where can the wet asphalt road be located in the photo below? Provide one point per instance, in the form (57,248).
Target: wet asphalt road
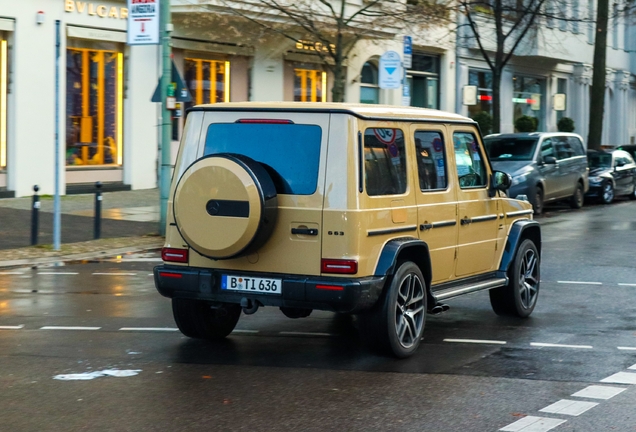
(474,371)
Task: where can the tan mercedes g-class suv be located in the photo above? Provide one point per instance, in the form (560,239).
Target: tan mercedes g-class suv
(380,211)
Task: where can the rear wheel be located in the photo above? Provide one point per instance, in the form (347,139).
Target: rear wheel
(607,193)
(537,204)
(395,325)
(197,319)
(576,202)
(519,297)
(632,196)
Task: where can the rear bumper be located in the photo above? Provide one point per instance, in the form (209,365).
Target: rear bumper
(357,294)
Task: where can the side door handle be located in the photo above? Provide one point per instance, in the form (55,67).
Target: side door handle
(466,221)
(305,231)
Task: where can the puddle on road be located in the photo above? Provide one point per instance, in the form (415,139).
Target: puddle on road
(97,374)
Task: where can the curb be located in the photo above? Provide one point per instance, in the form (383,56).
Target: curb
(77,257)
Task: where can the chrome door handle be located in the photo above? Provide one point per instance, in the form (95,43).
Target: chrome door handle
(466,221)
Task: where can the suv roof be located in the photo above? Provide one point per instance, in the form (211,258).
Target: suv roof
(364,111)
(531,134)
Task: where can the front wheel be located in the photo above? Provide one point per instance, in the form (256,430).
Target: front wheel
(607,193)
(519,297)
(395,325)
(200,320)
(537,205)
(632,196)
(576,202)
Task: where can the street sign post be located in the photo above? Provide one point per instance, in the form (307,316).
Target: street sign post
(143,22)
(390,71)
(408,52)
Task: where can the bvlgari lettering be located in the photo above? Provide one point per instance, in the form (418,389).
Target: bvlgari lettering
(100,10)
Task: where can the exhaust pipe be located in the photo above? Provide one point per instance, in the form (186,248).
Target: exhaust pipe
(249,306)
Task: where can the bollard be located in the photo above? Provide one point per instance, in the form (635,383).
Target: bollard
(97,231)
(35,216)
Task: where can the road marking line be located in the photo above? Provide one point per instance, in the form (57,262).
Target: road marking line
(58,273)
(599,392)
(621,378)
(476,341)
(291,333)
(627,348)
(569,407)
(18,327)
(632,367)
(11,273)
(151,274)
(114,274)
(533,424)
(626,284)
(68,328)
(549,345)
(245,331)
(580,283)
(148,329)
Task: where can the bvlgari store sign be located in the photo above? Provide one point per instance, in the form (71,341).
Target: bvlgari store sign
(100,10)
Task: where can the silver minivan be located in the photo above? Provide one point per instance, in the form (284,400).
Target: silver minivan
(545,166)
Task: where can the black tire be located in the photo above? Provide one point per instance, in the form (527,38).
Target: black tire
(519,297)
(607,193)
(632,196)
(396,323)
(576,202)
(537,203)
(198,320)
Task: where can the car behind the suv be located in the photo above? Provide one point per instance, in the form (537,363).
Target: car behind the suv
(379,211)
(544,166)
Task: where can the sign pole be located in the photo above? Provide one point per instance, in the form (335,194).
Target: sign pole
(57,217)
(166,116)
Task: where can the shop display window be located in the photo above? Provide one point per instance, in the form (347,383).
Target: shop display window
(483,81)
(309,85)
(4,82)
(529,99)
(208,81)
(94,107)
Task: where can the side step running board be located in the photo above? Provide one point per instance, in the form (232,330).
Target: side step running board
(464,289)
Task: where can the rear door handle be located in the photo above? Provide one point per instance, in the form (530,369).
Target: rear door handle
(466,221)
(305,231)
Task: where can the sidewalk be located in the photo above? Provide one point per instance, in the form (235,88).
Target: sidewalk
(130,222)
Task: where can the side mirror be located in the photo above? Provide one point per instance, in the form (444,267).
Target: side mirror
(550,160)
(500,181)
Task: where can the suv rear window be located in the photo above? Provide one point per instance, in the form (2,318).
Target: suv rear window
(289,152)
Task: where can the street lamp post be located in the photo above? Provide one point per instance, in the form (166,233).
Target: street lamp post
(166,116)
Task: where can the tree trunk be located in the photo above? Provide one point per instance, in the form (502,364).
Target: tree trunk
(339,78)
(496,100)
(597,97)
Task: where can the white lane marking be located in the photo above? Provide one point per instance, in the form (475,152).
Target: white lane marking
(18,327)
(11,273)
(580,283)
(92,375)
(476,341)
(533,424)
(151,274)
(626,284)
(291,333)
(58,273)
(245,331)
(549,345)
(169,329)
(621,378)
(599,392)
(114,274)
(627,348)
(632,367)
(68,328)
(569,407)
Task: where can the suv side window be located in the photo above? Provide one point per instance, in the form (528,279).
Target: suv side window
(577,146)
(563,149)
(471,170)
(384,161)
(547,149)
(431,160)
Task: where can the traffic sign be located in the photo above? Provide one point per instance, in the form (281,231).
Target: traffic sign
(143,22)
(179,89)
(390,70)
(408,52)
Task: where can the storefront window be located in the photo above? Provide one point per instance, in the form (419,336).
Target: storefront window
(309,85)
(94,107)
(369,89)
(423,80)
(528,99)
(208,81)
(483,81)
(4,66)
(562,87)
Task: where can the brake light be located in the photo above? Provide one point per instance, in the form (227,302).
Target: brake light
(330,287)
(339,266)
(174,255)
(171,275)
(265,121)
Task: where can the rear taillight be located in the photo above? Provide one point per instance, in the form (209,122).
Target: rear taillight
(174,255)
(339,266)
(171,275)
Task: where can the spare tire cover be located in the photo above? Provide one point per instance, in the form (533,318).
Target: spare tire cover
(225,206)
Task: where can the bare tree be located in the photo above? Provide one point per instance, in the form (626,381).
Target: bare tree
(499,27)
(598,78)
(335,27)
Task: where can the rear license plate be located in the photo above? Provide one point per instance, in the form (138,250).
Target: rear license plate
(251,284)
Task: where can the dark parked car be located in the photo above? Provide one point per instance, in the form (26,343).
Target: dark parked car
(629,148)
(544,166)
(612,174)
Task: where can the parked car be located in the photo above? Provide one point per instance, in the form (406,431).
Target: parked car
(544,166)
(372,210)
(629,148)
(612,174)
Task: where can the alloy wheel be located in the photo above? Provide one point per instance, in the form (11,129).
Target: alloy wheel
(409,310)
(528,279)
(608,193)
